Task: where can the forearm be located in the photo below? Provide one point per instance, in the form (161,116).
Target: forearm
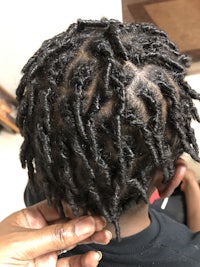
(192,196)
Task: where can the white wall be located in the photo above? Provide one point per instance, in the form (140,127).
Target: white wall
(13,178)
(25,24)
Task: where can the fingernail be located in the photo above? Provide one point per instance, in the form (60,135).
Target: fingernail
(100,222)
(85,226)
(98,255)
(109,234)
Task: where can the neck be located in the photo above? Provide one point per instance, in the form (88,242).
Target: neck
(132,221)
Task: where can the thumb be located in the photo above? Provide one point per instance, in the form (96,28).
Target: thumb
(57,237)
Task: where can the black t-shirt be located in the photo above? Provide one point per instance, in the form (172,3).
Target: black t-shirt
(165,243)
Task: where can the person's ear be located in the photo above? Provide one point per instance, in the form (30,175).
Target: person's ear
(167,189)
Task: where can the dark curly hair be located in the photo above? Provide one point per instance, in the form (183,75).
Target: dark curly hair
(101,107)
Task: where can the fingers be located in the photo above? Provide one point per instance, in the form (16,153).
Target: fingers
(102,237)
(90,259)
(49,260)
(60,236)
(35,217)
(189,180)
(49,212)
(42,214)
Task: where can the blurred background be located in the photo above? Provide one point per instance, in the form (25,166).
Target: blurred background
(24,25)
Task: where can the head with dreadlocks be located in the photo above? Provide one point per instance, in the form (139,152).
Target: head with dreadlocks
(101,107)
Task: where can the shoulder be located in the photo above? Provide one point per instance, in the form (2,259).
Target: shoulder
(176,238)
(169,226)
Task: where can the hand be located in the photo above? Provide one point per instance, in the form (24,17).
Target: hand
(34,236)
(189,182)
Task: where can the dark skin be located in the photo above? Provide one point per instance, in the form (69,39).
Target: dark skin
(34,236)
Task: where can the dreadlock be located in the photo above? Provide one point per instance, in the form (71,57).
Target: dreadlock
(101,106)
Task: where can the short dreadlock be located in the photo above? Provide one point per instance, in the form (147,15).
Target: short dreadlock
(101,107)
